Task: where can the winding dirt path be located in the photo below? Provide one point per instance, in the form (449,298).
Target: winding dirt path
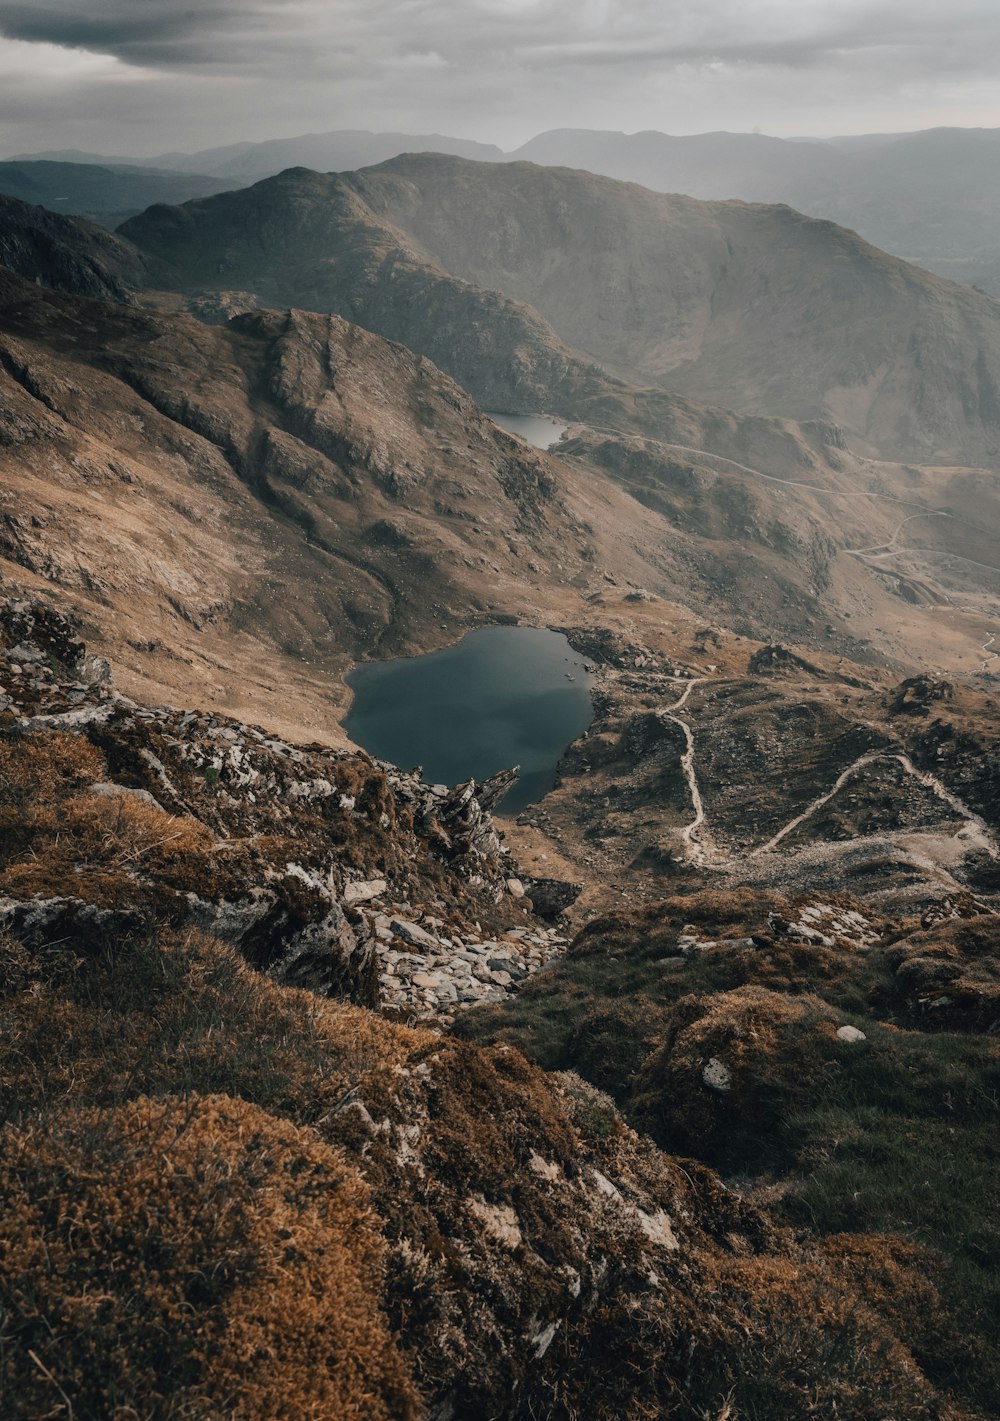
(973,831)
(979,836)
(890,546)
(696,851)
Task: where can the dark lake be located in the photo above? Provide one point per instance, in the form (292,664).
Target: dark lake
(503,696)
(537,429)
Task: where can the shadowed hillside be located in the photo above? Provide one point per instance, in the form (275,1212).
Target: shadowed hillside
(757,309)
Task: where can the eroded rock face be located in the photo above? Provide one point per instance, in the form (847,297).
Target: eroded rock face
(120,816)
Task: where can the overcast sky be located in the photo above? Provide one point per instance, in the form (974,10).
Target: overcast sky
(142,77)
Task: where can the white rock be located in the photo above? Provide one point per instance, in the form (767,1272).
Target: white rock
(364,892)
(850,1033)
(605,1186)
(657,1228)
(112,791)
(500,1221)
(717,1076)
(545,1169)
(542,1340)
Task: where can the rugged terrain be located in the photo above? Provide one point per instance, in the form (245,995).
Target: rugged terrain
(929,197)
(327,1094)
(247,509)
(754,308)
(291,492)
(70,254)
(328,1214)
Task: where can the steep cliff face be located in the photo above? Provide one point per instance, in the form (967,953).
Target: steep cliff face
(322,1212)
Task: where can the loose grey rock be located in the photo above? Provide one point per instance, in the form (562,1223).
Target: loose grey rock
(410,933)
(716,1075)
(850,1033)
(364,892)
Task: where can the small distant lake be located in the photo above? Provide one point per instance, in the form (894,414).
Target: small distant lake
(503,696)
(537,429)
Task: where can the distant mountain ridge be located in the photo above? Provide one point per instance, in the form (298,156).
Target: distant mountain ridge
(752,308)
(338,150)
(106,195)
(932,197)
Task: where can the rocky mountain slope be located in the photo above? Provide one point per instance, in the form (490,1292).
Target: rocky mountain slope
(247,508)
(71,254)
(290,491)
(326,1213)
(756,309)
(929,197)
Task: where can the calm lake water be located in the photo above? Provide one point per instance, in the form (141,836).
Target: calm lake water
(503,696)
(537,429)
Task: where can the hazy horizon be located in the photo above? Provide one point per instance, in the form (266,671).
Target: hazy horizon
(138,79)
(11,152)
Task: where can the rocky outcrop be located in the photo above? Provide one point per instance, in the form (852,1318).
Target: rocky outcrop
(550,897)
(204,822)
(335,1215)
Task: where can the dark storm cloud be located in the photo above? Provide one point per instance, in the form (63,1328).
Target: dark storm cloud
(622,34)
(153,33)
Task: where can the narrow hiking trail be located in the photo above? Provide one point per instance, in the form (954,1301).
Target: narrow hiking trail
(979,837)
(890,545)
(973,830)
(697,853)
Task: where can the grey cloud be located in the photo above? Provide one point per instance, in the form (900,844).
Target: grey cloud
(467,32)
(157,33)
(501,69)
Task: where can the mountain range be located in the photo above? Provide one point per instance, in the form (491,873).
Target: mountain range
(753,308)
(331,1091)
(929,197)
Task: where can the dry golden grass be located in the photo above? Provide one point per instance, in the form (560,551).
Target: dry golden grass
(191,1257)
(92,846)
(178,1012)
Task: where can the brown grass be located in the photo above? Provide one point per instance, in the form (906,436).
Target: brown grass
(193,1258)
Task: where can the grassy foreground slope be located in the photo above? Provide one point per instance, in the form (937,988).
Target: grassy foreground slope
(842,1068)
(226,1196)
